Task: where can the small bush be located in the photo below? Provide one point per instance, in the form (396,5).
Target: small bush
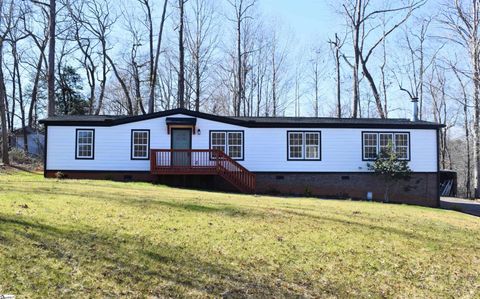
(60,175)
(307,191)
(19,156)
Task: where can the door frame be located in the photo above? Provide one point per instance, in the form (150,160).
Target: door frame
(180,129)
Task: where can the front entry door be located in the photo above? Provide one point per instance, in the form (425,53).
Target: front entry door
(181,140)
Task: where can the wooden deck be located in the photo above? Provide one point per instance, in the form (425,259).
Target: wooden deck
(201,161)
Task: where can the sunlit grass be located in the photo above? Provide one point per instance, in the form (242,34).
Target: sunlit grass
(73,238)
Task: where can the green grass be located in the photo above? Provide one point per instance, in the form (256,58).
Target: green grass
(82,239)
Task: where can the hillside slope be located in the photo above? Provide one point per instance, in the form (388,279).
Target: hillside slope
(106,239)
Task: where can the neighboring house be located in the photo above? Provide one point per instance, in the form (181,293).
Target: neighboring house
(35,140)
(284,155)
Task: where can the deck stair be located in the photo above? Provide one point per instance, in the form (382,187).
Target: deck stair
(202,161)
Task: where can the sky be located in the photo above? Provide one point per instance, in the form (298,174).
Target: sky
(305,24)
(308,19)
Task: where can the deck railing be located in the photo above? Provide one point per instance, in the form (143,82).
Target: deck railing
(201,161)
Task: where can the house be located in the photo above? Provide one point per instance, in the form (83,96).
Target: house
(35,140)
(284,155)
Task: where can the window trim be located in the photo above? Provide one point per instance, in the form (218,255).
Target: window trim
(132,147)
(226,142)
(304,146)
(409,153)
(77,157)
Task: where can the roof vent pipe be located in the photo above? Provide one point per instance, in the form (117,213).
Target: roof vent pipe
(415,109)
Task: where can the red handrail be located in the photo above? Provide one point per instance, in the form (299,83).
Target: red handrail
(202,161)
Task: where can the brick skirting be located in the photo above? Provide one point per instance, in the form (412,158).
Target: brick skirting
(421,189)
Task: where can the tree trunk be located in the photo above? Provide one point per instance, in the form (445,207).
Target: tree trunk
(153,82)
(104,77)
(197,80)
(356,65)
(16,70)
(387,187)
(124,86)
(376,95)
(3,116)
(51,60)
(181,66)
(239,67)
(337,66)
(34,96)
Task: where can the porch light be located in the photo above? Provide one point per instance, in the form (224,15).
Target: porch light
(199,131)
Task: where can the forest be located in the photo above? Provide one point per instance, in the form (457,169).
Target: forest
(234,57)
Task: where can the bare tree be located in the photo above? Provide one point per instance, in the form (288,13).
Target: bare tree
(51,58)
(15,36)
(129,103)
(181,56)
(316,77)
(94,17)
(466,124)
(464,21)
(41,41)
(154,64)
(201,43)
(336,46)
(361,22)
(241,8)
(442,111)
(153,53)
(6,24)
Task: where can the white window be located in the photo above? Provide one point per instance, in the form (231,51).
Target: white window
(402,145)
(229,142)
(386,140)
(295,145)
(370,144)
(85,144)
(235,144)
(140,144)
(304,145)
(375,143)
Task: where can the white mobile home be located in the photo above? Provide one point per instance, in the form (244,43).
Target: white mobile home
(286,155)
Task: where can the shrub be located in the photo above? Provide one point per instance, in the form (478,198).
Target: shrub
(19,156)
(390,167)
(60,175)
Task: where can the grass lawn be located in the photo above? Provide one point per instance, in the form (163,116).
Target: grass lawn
(82,239)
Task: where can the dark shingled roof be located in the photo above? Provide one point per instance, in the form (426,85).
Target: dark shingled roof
(59,118)
(329,120)
(278,122)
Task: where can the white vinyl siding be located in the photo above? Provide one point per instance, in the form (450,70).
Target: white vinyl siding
(264,149)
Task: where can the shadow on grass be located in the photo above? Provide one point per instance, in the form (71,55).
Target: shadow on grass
(363,225)
(21,168)
(123,261)
(146,202)
(189,205)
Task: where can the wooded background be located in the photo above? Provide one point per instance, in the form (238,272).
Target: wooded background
(231,57)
